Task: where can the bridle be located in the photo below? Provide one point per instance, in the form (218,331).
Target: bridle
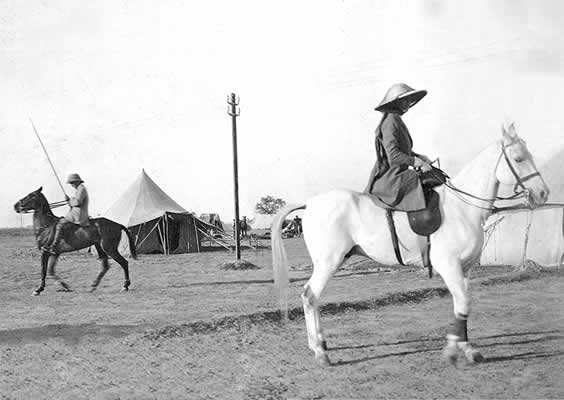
(519,189)
(29,209)
(519,181)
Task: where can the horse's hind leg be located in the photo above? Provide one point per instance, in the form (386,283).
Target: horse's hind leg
(322,272)
(457,339)
(114,253)
(44,259)
(105,267)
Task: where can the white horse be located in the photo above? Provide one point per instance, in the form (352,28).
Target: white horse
(340,223)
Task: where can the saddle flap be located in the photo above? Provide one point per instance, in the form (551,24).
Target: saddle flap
(427,221)
(46,235)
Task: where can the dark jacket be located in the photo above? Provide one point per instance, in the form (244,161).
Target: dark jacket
(391,180)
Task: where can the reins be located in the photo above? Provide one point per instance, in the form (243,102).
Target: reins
(58,204)
(51,206)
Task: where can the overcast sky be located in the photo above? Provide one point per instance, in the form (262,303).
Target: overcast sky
(117,86)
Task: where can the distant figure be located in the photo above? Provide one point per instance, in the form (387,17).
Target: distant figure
(244,227)
(298,226)
(78,213)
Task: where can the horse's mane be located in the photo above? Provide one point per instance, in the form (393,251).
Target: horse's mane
(43,206)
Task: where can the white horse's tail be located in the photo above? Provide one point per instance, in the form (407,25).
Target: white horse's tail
(279,259)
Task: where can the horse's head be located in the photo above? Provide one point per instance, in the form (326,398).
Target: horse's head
(517,167)
(30,202)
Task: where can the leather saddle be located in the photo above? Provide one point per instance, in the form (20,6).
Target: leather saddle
(68,228)
(426,221)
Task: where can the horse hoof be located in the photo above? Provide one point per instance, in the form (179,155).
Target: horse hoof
(36,293)
(124,289)
(65,290)
(324,345)
(92,289)
(451,355)
(322,360)
(474,356)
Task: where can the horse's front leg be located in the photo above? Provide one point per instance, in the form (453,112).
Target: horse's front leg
(457,338)
(51,263)
(44,259)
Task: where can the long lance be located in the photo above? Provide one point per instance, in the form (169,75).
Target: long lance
(47,155)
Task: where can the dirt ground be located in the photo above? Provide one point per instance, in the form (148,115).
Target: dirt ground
(190,330)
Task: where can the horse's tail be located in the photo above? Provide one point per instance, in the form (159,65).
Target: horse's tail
(279,259)
(132,248)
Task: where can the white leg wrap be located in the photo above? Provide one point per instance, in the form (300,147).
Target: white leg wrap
(452,338)
(464,346)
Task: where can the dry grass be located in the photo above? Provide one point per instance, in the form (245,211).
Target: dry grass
(189,329)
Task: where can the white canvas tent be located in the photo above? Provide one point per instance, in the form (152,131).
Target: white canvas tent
(213,220)
(525,235)
(535,235)
(261,221)
(158,223)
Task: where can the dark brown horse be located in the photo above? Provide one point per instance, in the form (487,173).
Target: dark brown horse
(102,233)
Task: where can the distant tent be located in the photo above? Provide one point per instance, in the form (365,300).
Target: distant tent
(158,224)
(530,235)
(525,235)
(261,221)
(213,220)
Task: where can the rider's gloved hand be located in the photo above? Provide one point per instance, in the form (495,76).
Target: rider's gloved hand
(421,165)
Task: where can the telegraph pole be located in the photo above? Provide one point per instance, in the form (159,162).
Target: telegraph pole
(234,111)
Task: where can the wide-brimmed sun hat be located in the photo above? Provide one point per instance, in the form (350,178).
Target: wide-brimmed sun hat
(397,92)
(74,178)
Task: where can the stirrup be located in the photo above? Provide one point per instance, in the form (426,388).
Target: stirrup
(49,250)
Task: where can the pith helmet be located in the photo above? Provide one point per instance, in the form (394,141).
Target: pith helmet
(74,178)
(397,92)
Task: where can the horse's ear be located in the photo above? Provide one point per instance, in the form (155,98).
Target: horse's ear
(511,129)
(504,133)
(509,132)
(40,189)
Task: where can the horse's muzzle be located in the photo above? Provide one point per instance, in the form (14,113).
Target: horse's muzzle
(18,207)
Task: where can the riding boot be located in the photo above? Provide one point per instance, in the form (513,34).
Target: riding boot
(58,231)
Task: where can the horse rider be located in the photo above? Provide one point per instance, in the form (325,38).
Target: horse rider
(397,176)
(77,214)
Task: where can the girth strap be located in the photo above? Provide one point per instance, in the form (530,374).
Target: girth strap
(425,251)
(394,235)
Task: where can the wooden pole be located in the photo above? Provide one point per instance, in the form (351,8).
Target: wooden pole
(166,235)
(197,235)
(234,111)
(48,158)
(526,243)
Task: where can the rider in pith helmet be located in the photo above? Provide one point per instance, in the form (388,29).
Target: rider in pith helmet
(78,213)
(397,173)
